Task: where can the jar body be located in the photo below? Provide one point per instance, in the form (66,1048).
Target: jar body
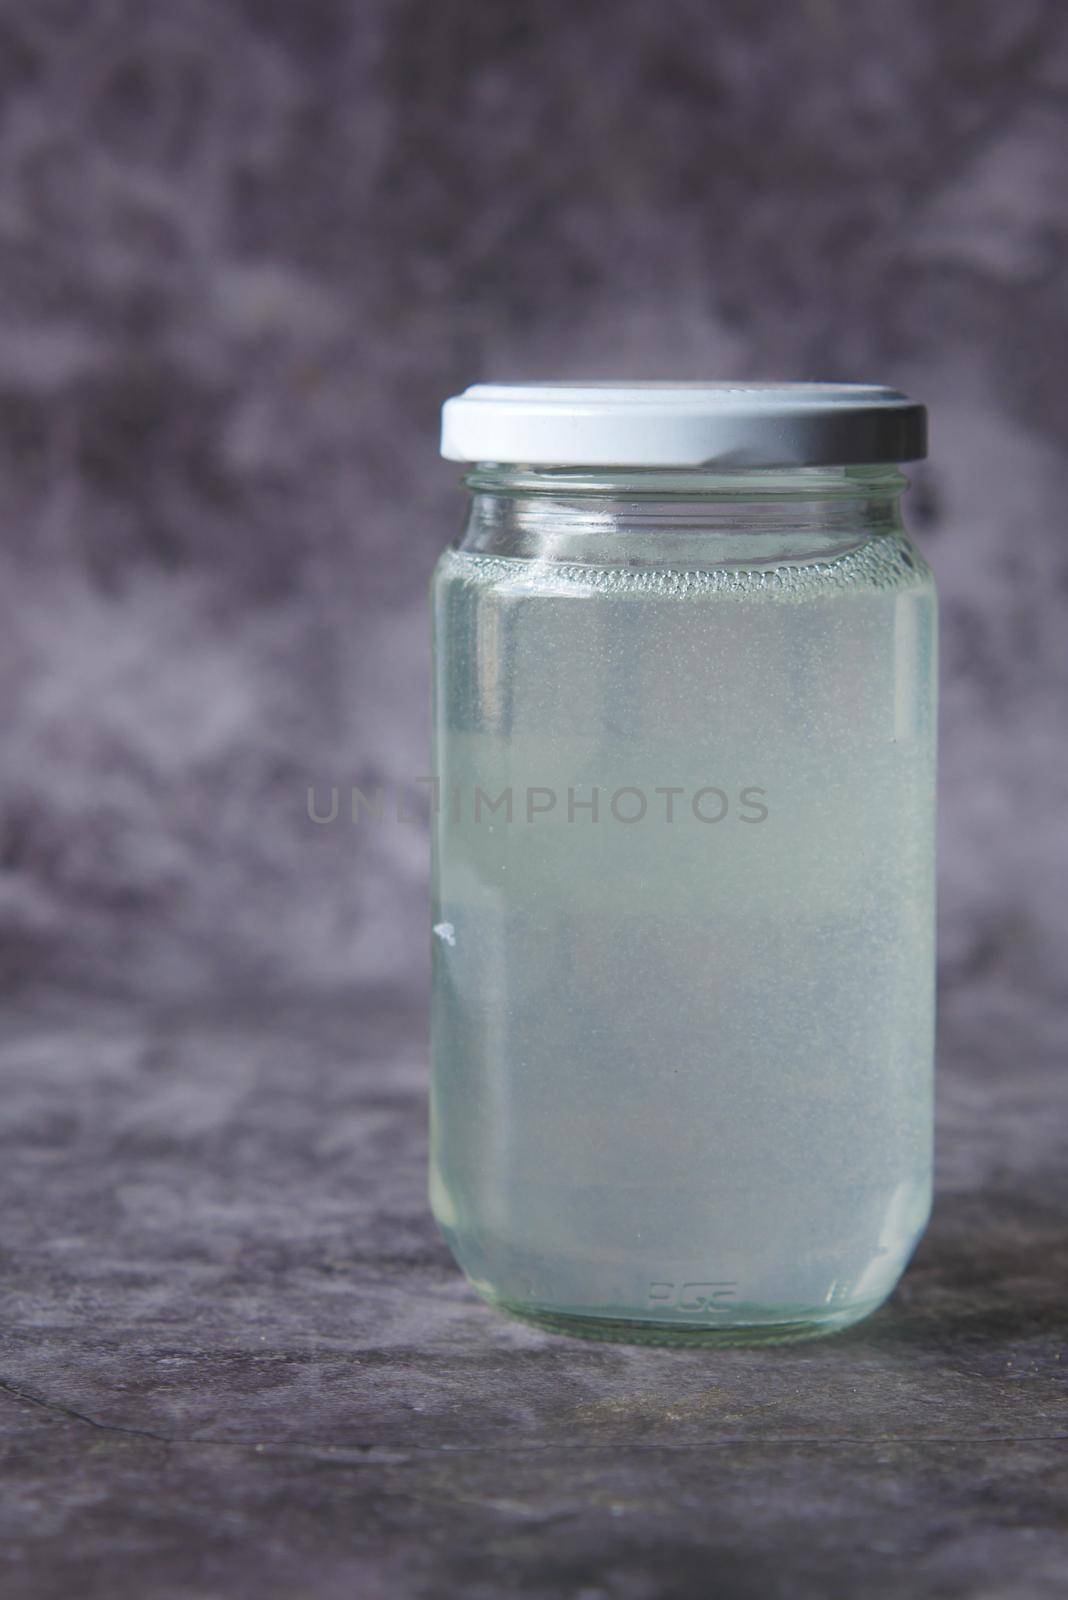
(683,908)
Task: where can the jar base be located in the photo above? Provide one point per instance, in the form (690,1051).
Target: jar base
(793,1328)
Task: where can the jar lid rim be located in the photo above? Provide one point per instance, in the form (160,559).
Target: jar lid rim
(725,424)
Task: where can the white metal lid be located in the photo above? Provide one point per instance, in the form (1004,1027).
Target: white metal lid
(683,424)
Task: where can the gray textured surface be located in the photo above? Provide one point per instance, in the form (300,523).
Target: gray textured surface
(238,1362)
(246,246)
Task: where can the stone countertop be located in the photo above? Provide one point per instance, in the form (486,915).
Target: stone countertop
(237,1360)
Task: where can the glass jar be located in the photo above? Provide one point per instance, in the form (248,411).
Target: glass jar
(683,859)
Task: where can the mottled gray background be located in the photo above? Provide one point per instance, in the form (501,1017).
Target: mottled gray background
(246,248)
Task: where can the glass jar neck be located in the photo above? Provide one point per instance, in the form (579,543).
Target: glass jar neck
(674,516)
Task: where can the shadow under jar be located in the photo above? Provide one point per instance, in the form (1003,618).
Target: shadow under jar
(683,859)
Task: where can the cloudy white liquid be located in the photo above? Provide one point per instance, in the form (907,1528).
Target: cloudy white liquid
(682,1072)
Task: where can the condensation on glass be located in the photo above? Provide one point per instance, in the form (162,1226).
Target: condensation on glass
(683,859)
